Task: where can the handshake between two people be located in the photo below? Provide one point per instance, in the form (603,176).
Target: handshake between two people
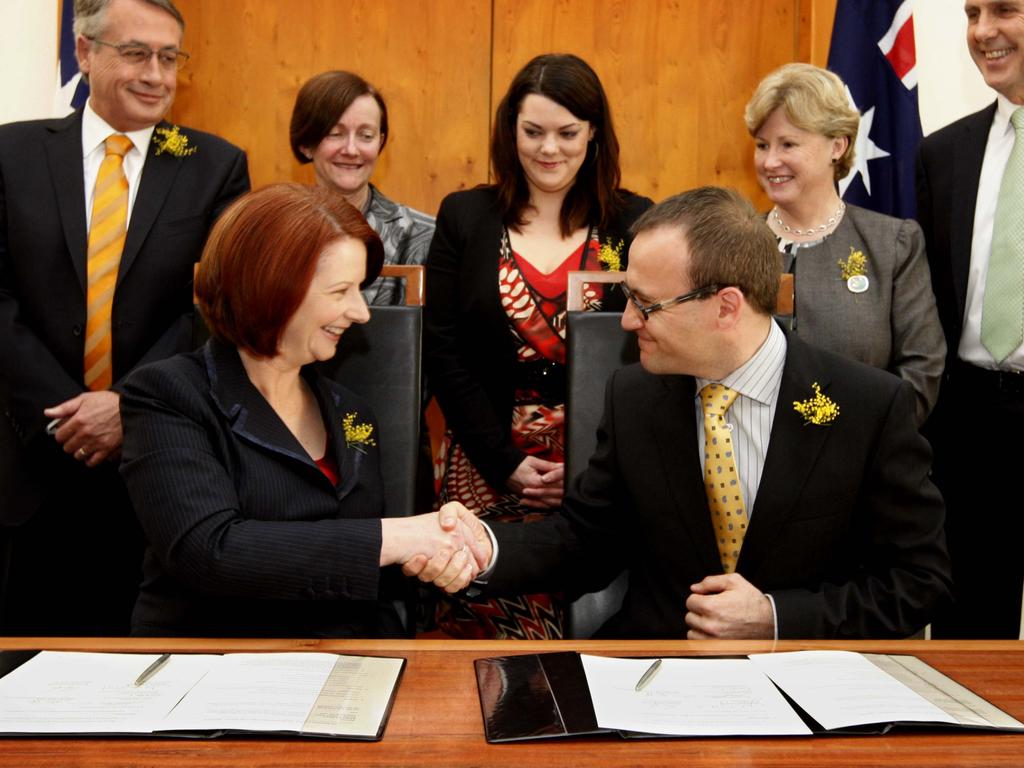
(448,548)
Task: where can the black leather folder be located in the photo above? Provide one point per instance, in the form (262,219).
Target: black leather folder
(545,695)
(535,696)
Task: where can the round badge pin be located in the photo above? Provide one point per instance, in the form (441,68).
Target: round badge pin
(857,284)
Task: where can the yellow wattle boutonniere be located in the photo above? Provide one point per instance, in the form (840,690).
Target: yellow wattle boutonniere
(610,256)
(854,271)
(357,436)
(854,266)
(172,141)
(818,410)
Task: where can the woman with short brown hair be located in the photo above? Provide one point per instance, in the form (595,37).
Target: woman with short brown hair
(340,125)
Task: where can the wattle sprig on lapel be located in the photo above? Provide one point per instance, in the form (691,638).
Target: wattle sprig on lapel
(357,436)
(818,410)
(172,141)
(854,266)
(610,255)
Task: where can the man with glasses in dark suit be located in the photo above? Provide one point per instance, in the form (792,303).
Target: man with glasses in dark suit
(753,485)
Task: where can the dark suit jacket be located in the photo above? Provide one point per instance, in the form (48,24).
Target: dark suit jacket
(470,353)
(948,170)
(845,531)
(43,247)
(246,535)
(987,590)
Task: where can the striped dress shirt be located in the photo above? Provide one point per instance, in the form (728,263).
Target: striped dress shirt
(750,418)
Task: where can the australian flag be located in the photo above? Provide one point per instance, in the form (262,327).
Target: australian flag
(72,90)
(873,52)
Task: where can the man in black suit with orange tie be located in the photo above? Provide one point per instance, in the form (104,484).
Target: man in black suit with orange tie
(753,485)
(970,183)
(102,216)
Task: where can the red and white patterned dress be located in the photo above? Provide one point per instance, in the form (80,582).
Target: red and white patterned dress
(535,304)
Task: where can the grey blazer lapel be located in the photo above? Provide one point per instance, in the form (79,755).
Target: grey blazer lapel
(792,453)
(673,422)
(64,156)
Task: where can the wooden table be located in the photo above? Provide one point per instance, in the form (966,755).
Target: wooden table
(436,718)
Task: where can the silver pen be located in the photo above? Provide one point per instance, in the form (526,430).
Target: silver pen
(647,676)
(152,669)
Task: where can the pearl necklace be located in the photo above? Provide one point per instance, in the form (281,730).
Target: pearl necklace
(829,224)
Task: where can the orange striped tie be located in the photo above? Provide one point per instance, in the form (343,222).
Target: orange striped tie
(106,241)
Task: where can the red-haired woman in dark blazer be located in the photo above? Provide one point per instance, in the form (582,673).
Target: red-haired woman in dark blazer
(495,310)
(257,482)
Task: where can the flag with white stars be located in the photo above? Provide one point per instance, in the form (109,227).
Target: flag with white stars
(873,52)
(72,91)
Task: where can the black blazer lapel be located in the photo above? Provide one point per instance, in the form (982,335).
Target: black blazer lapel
(350,458)
(792,453)
(157,178)
(249,414)
(64,156)
(968,154)
(253,420)
(674,425)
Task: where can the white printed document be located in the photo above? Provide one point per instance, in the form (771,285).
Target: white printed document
(842,688)
(64,692)
(300,693)
(689,697)
(744,697)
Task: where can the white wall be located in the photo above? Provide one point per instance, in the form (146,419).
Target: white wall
(28,58)
(949,85)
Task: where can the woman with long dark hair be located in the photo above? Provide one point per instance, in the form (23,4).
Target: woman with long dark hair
(495,312)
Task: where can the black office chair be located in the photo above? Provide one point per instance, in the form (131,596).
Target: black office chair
(380,361)
(595,346)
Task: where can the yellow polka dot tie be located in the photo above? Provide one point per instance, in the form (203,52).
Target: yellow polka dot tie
(107,230)
(722,482)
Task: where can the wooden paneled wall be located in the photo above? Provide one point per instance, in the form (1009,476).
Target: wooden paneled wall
(677,73)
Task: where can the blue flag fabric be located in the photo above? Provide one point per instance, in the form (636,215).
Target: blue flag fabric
(73,91)
(873,52)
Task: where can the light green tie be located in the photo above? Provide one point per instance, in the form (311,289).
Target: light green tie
(1002,318)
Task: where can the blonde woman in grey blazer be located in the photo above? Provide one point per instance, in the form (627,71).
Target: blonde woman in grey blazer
(861,278)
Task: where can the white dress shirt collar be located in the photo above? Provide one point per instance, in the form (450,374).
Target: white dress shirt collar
(95,131)
(759,377)
(1004,110)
